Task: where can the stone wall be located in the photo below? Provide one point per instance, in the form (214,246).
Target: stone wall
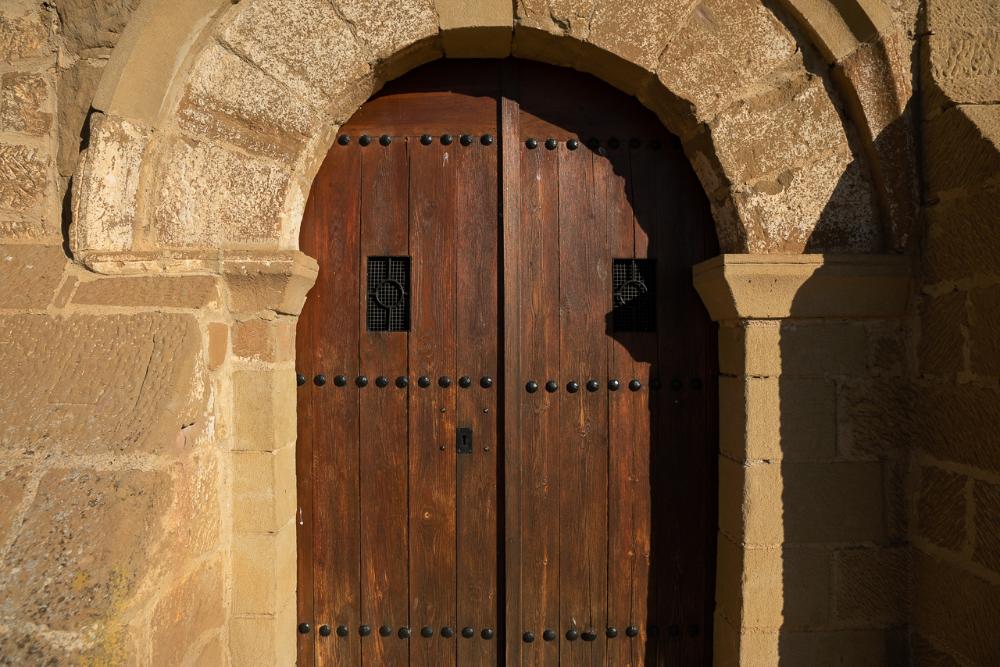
(954,482)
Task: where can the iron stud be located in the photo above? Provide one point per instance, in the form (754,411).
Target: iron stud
(693,630)
(361,380)
(426,139)
(404,633)
(634,385)
(572,634)
(324,630)
(674,630)
(588,636)
(468,632)
(444,381)
(447,632)
(614,385)
(611,632)
(342,631)
(593,143)
(573,387)
(427,631)
(486,139)
(385,140)
(531,143)
(551,386)
(549,635)
(465,140)
(402,381)
(320,380)
(613,142)
(300,379)
(572,144)
(696,383)
(632,631)
(634,143)
(655,144)
(593,385)
(385,630)
(655,385)
(446,139)
(653,631)
(344,139)
(340,380)
(487,633)
(381,381)
(551,144)
(304,628)
(676,384)
(486,382)
(365,630)
(424,381)
(364,140)
(528,637)
(531,387)
(465,382)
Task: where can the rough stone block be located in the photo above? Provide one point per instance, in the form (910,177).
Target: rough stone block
(751,348)
(962,239)
(150,291)
(857,648)
(942,339)
(984,331)
(264,570)
(958,423)
(24,104)
(62,571)
(275,283)
(23,177)
(23,34)
(636,31)
(75,93)
(89,25)
(13,486)
(263,489)
(964,64)
(724,47)
(104,197)
(750,502)
(26,646)
(956,610)
(784,126)
(265,402)
(209,196)
(926,655)
(302,43)
(875,417)
(476,30)
(263,641)
(832,502)
(940,507)
(194,608)
(218,344)
(962,149)
(30,274)
(229,99)
(826,205)
(823,348)
(264,340)
(99,384)
(392,27)
(986,523)
(870,587)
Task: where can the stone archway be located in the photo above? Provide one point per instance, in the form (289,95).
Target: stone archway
(212,120)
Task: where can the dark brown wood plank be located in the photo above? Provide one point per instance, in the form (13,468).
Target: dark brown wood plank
(477,348)
(432,410)
(585,300)
(384,425)
(538,299)
(336,536)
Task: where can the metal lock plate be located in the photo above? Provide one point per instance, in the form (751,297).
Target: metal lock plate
(463,440)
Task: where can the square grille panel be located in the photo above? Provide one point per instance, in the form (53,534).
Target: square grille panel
(388,294)
(633,294)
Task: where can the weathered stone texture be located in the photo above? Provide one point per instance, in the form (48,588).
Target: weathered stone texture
(965,64)
(91,25)
(875,417)
(98,384)
(24,104)
(958,423)
(942,336)
(104,196)
(76,87)
(29,275)
(23,31)
(986,519)
(858,648)
(833,502)
(870,586)
(23,177)
(941,508)
(193,609)
(264,340)
(976,131)
(146,291)
(62,571)
(722,50)
(637,31)
(391,27)
(304,44)
(962,242)
(207,195)
(13,486)
(984,331)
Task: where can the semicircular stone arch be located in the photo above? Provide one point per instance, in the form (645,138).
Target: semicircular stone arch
(219,152)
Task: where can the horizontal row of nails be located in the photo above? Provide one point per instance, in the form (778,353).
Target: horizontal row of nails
(402,381)
(425,139)
(487,633)
(487,139)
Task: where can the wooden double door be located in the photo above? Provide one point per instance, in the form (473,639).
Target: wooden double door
(507,409)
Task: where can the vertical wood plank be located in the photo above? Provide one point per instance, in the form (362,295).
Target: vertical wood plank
(432,410)
(584,302)
(476,476)
(538,304)
(384,424)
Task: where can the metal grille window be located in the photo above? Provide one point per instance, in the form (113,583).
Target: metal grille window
(388,294)
(633,290)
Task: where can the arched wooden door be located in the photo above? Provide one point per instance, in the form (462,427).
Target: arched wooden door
(507,400)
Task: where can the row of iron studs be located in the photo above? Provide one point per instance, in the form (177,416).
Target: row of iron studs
(487,139)
(486,382)
(487,633)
